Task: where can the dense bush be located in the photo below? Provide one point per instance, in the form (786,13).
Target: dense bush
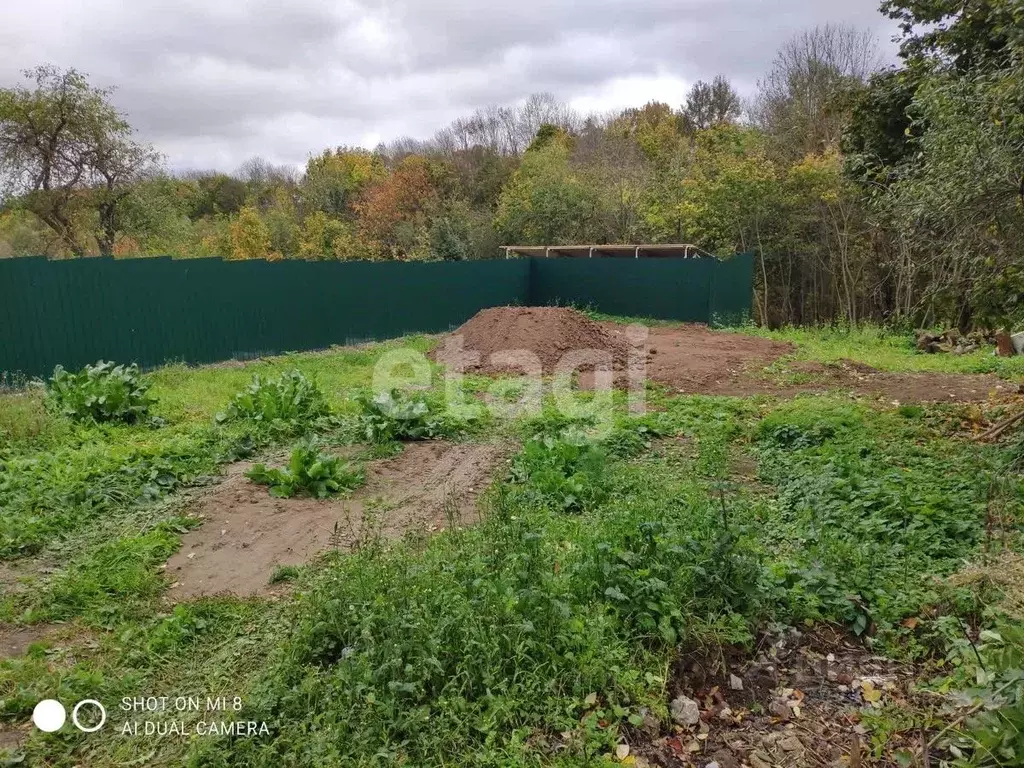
(290,403)
(310,473)
(101,392)
(394,415)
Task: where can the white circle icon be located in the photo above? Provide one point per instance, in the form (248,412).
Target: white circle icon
(49,715)
(90,729)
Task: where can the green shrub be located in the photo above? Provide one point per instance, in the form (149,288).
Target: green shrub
(101,392)
(657,576)
(996,732)
(308,473)
(289,404)
(567,472)
(394,415)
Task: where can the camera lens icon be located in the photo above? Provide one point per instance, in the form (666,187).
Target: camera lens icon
(49,715)
(92,703)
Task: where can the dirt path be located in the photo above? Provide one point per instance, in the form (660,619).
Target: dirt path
(696,360)
(248,533)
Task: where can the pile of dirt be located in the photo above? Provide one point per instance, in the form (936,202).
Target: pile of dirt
(247,532)
(688,359)
(494,341)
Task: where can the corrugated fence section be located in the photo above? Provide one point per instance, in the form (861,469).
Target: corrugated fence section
(691,290)
(156,310)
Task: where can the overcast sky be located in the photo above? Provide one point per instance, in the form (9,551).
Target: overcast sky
(213,82)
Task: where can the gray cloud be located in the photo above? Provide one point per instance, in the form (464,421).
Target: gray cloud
(212,83)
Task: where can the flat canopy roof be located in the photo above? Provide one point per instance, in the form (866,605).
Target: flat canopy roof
(624,251)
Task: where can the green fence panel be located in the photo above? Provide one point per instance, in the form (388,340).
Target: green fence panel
(732,291)
(157,310)
(689,290)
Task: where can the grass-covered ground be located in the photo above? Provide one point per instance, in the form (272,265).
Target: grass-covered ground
(548,632)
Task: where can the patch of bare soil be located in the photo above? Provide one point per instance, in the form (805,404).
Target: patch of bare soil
(494,341)
(694,359)
(690,359)
(799,702)
(12,737)
(14,641)
(247,532)
(865,381)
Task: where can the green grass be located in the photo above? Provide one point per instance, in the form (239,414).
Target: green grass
(532,638)
(284,573)
(603,317)
(886,350)
(196,394)
(22,416)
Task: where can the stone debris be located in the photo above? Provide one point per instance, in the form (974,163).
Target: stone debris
(799,702)
(685,711)
(955,343)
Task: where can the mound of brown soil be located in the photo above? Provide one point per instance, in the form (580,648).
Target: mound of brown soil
(502,339)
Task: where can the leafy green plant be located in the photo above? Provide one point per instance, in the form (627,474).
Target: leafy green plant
(310,473)
(994,734)
(867,513)
(567,471)
(288,404)
(552,422)
(804,424)
(658,575)
(394,415)
(101,392)
(631,439)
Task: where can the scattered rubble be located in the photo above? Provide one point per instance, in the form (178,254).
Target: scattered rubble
(956,343)
(802,700)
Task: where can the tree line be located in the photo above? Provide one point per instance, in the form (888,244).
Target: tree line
(891,194)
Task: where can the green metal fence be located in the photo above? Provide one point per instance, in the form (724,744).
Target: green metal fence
(691,290)
(156,310)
